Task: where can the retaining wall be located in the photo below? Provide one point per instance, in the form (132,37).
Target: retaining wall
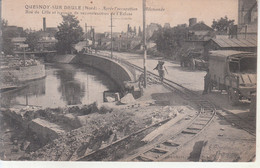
(25,73)
(65,59)
(113,69)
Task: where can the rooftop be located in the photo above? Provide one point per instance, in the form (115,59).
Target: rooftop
(235,42)
(200,27)
(226,53)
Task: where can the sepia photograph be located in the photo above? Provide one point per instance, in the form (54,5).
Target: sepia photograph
(128,81)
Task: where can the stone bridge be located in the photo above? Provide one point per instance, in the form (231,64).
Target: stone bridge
(115,69)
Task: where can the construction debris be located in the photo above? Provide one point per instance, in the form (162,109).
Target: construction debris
(127,99)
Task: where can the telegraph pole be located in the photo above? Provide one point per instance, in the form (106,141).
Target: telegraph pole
(86,30)
(144,43)
(127,37)
(91,33)
(111,37)
(93,37)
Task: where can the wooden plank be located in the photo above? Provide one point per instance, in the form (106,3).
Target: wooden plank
(189,132)
(171,144)
(160,150)
(145,158)
(160,130)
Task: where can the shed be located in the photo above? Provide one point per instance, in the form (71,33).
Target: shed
(238,44)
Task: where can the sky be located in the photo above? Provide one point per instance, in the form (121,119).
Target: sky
(26,13)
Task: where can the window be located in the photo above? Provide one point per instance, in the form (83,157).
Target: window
(233,67)
(243,65)
(248,65)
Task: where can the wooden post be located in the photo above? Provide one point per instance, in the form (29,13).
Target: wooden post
(111,37)
(144,43)
(24,56)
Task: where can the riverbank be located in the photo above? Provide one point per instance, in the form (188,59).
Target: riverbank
(70,133)
(77,130)
(16,72)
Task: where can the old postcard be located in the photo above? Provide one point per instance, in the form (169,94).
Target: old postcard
(128,81)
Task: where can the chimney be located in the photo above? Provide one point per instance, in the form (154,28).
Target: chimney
(44,24)
(192,21)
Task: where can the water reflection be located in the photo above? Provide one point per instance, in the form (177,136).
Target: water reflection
(30,90)
(64,84)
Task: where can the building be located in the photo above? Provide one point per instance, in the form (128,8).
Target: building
(47,39)
(244,37)
(114,34)
(238,44)
(199,31)
(247,12)
(247,18)
(47,44)
(18,42)
(17,31)
(198,35)
(51,31)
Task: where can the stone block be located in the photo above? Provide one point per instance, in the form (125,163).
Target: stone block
(45,129)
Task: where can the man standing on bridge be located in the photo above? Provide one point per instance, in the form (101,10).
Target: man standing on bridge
(160,68)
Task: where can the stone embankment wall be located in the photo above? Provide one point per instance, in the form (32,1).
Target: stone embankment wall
(113,69)
(65,59)
(30,73)
(25,73)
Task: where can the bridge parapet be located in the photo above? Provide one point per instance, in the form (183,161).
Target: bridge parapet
(116,70)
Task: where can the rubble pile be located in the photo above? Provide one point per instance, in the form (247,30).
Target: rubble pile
(128,99)
(101,129)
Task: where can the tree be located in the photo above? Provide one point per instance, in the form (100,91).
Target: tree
(69,34)
(222,25)
(32,40)
(164,39)
(170,40)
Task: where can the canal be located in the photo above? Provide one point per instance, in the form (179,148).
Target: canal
(64,84)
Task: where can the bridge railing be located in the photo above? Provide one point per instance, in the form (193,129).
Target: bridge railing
(124,63)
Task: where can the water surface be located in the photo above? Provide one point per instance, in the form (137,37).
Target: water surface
(64,84)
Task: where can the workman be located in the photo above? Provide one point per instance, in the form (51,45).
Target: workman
(206,82)
(160,68)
